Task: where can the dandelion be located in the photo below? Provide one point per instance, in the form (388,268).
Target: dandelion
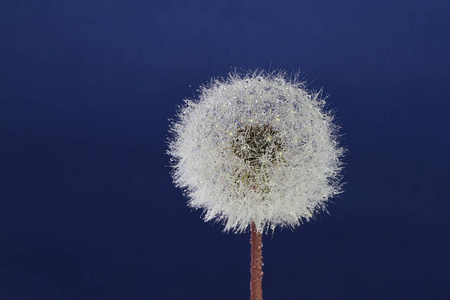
(256,152)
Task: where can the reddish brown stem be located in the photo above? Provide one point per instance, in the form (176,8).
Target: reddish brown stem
(256,265)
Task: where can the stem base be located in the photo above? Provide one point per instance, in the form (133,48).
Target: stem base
(256,264)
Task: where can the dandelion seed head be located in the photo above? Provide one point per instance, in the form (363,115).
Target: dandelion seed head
(259,148)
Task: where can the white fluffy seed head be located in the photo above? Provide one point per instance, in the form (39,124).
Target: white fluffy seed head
(256,147)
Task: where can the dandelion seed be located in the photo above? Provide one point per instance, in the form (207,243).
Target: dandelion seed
(264,154)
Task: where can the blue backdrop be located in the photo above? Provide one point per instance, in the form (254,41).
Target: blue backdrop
(87,206)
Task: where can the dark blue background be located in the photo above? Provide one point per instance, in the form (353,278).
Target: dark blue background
(88,209)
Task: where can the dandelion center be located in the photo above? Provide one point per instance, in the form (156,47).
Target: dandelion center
(257,145)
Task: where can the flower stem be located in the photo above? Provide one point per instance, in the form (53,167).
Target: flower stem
(256,264)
